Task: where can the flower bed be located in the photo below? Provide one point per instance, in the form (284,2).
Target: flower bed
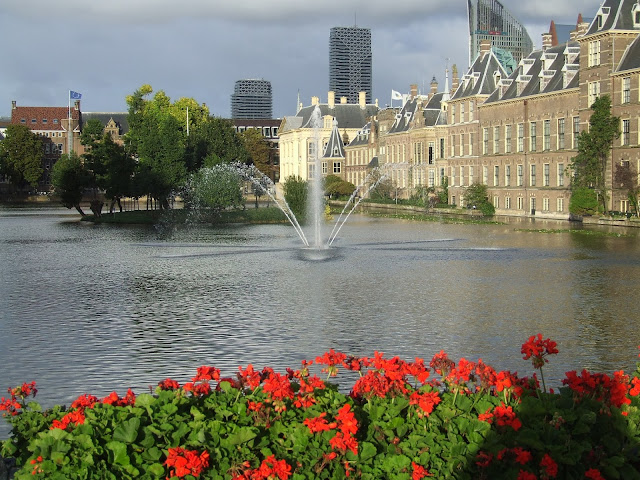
(401,420)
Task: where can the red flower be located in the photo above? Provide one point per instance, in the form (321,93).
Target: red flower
(484,459)
(270,468)
(549,465)
(84,401)
(319,424)
(332,359)
(344,442)
(347,422)
(75,417)
(419,472)
(486,416)
(426,401)
(186,462)
(537,348)
(278,387)
(249,377)
(441,364)
(505,416)
(635,390)
(206,373)
(522,456)
(168,384)
(593,474)
(10,405)
(524,475)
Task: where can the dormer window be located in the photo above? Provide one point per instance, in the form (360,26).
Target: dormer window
(635,13)
(602,16)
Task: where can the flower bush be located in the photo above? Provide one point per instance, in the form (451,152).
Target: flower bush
(404,420)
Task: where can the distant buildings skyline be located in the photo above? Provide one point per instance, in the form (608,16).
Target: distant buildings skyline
(350,63)
(252,99)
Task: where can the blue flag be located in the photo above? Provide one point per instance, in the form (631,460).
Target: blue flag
(74,95)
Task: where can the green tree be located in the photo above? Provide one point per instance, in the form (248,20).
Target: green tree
(594,150)
(215,188)
(476,196)
(258,151)
(384,188)
(113,169)
(219,143)
(584,201)
(443,192)
(296,192)
(334,186)
(70,179)
(21,151)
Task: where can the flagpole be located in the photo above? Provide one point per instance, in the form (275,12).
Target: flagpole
(69,131)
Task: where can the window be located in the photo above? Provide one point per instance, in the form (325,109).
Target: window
(471,111)
(532,175)
(47,148)
(545,204)
(496,176)
(545,180)
(33,120)
(521,137)
(533,130)
(485,175)
(507,203)
(560,205)
(626,134)
(442,148)
(461,175)
(462,112)
(496,140)
(462,144)
(507,176)
(325,168)
(507,139)
(520,203)
(432,177)
(547,134)
(441,176)
(560,179)
(44,120)
(520,179)
(485,141)
(594,53)
(561,134)
(337,167)
(471,143)
(626,89)
(453,114)
(55,121)
(311,149)
(417,152)
(453,145)
(431,152)
(453,176)
(576,132)
(532,205)
(23,120)
(60,147)
(594,92)
(496,201)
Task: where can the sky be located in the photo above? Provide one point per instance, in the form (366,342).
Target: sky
(106,50)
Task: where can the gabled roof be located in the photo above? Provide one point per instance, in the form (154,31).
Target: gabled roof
(362,137)
(432,112)
(631,58)
(547,71)
(348,115)
(120,119)
(403,119)
(613,15)
(42,118)
(335,147)
(480,79)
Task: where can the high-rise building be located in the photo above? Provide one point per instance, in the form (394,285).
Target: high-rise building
(350,69)
(490,20)
(252,99)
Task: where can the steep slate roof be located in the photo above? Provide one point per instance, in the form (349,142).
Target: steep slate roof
(480,78)
(403,119)
(362,137)
(432,112)
(347,115)
(631,58)
(120,118)
(550,64)
(619,16)
(335,147)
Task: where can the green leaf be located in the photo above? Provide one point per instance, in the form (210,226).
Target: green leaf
(127,431)
(242,436)
(366,451)
(118,453)
(145,400)
(156,469)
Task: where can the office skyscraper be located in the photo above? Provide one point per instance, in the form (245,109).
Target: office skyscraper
(489,19)
(252,99)
(350,69)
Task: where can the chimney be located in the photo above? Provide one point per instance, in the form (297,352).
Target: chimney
(485,47)
(343,100)
(554,34)
(434,86)
(362,99)
(547,41)
(414,90)
(76,104)
(315,100)
(582,28)
(331,101)
(455,81)
(13,104)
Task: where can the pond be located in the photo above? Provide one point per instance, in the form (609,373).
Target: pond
(95,308)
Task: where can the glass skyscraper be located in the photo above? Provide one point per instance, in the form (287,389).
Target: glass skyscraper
(350,69)
(252,99)
(489,19)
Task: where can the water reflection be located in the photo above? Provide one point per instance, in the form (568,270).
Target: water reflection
(94,309)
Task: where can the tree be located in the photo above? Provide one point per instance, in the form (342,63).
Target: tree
(296,192)
(214,142)
(594,149)
(113,169)
(334,186)
(382,187)
(70,179)
(21,151)
(584,201)
(627,178)
(216,188)
(475,196)
(258,151)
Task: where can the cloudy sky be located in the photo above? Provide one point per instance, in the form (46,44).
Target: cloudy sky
(199,48)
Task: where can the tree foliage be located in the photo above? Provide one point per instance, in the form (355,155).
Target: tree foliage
(476,196)
(258,151)
(212,142)
(296,192)
(594,150)
(21,153)
(216,188)
(70,179)
(336,187)
(626,177)
(584,201)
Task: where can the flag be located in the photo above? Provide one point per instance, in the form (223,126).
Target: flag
(396,95)
(74,95)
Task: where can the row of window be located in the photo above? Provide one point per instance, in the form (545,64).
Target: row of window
(519,175)
(55,121)
(337,169)
(267,132)
(521,204)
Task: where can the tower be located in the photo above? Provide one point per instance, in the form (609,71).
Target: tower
(490,20)
(350,69)
(252,99)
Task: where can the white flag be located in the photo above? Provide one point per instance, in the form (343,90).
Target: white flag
(396,95)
